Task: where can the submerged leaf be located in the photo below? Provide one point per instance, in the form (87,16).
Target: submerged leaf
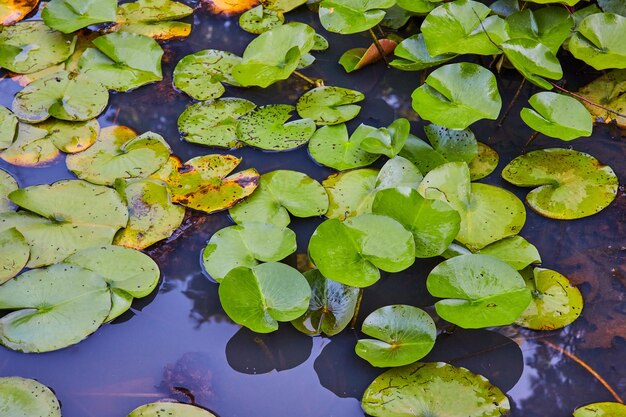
(332,147)
(27,397)
(558,116)
(201,74)
(173,409)
(71,15)
(329,105)
(599,41)
(610,91)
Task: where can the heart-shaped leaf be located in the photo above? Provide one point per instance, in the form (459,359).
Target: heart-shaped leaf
(558,116)
(403,334)
(14,253)
(479,291)
(8,127)
(484,163)
(279,194)
(70,15)
(12,11)
(265,128)
(352,16)
(549,26)
(120,153)
(261,296)
(201,74)
(259,19)
(599,41)
(457,95)
(533,60)
(605,409)
(27,397)
(571,184)
(245,245)
(515,251)
(61,95)
(203,183)
(412,55)
(332,147)
(7,185)
(329,105)
(153,18)
(173,409)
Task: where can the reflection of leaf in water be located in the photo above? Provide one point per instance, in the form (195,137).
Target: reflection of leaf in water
(190,375)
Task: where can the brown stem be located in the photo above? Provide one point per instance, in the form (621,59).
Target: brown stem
(315,83)
(512,103)
(381,51)
(357,308)
(530,140)
(586,100)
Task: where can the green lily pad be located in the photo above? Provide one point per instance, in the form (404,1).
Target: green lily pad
(555,303)
(331,146)
(548,25)
(515,251)
(331,306)
(484,163)
(320,43)
(74,304)
(27,397)
(533,60)
(61,95)
(70,15)
(14,253)
(152,215)
(418,6)
(352,16)
(479,291)
(433,389)
(71,137)
(203,183)
(605,409)
(153,18)
(245,245)
(75,215)
(412,55)
(280,193)
(7,185)
(352,252)
(571,184)
(403,334)
(259,19)
(265,128)
(433,223)
(599,41)
(200,75)
(120,153)
(329,105)
(157,30)
(388,141)
(282,5)
(463,27)
(32,46)
(123,61)
(8,127)
(214,123)
(274,55)
(32,147)
(261,296)
(558,116)
(457,95)
(172,409)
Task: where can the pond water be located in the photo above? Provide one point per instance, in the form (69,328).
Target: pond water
(178,342)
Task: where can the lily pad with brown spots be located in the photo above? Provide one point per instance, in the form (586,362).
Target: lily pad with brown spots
(154,18)
(201,75)
(7,185)
(172,409)
(31,148)
(27,397)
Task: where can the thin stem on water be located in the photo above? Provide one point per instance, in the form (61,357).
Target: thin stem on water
(512,103)
(315,83)
(381,51)
(357,308)
(586,100)
(531,139)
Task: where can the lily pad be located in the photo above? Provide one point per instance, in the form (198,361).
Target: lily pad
(558,116)
(265,128)
(70,15)
(434,388)
(261,296)
(433,223)
(7,185)
(357,58)
(120,153)
(200,75)
(329,105)
(403,334)
(74,304)
(533,60)
(153,18)
(282,5)
(32,46)
(259,19)
(203,183)
(61,95)
(172,409)
(457,95)
(27,397)
(152,215)
(571,184)
(352,252)
(14,253)
(412,55)
(515,251)
(280,193)
(598,41)
(479,291)
(548,25)
(245,245)
(8,127)
(123,61)
(484,163)
(556,303)
(418,6)
(71,137)
(12,11)
(388,141)
(331,146)
(610,91)
(605,409)
(331,306)
(32,147)
(352,16)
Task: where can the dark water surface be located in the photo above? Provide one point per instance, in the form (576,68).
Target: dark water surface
(179,341)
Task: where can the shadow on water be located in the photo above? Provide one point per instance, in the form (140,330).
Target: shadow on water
(179,344)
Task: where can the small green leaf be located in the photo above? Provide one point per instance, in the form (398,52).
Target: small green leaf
(172,409)
(558,116)
(260,19)
(388,141)
(484,163)
(70,15)
(201,74)
(352,16)
(329,105)
(331,146)
(412,55)
(533,60)
(418,6)
(599,41)
(549,26)
(515,251)
(282,5)
(27,397)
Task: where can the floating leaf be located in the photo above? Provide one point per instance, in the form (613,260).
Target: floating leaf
(352,16)
(14,253)
(32,46)
(61,95)
(388,141)
(610,91)
(265,128)
(479,291)
(329,105)
(245,245)
(201,74)
(457,95)
(8,127)
(7,185)
(32,147)
(418,6)
(282,5)
(533,60)
(412,55)
(555,303)
(71,137)
(571,184)
(231,6)
(484,163)
(332,147)
(12,11)
(120,153)
(152,216)
(320,43)
(331,306)
(70,15)
(123,61)
(549,26)
(152,18)
(202,183)
(261,296)
(404,334)
(259,19)
(515,251)
(357,58)
(558,116)
(172,409)
(433,389)
(279,194)
(605,409)
(27,397)
(352,252)
(598,41)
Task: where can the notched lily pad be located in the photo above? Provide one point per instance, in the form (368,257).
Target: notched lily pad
(70,15)
(172,409)
(331,146)
(571,184)
(201,75)
(599,41)
(27,397)
(558,116)
(260,19)
(329,105)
